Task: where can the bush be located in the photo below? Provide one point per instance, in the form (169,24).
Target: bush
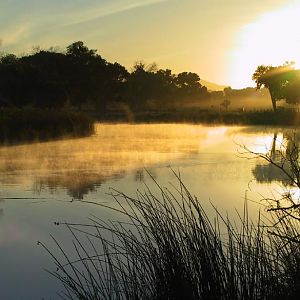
(21,125)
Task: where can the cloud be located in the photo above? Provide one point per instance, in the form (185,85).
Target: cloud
(104,11)
(14,35)
(39,27)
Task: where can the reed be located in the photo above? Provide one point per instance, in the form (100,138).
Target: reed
(165,246)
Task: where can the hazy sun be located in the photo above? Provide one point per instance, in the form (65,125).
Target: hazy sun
(273,39)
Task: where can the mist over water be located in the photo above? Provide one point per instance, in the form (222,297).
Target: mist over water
(41,182)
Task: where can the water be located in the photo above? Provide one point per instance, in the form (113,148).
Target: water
(42,183)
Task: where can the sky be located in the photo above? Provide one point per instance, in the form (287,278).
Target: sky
(221,40)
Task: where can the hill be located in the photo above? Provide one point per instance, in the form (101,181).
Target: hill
(212,86)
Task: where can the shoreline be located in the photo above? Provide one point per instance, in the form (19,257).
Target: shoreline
(206,117)
(18,126)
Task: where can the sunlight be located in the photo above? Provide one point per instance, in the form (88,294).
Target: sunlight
(295,194)
(297,64)
(263,144)
(272,39)
(217,131)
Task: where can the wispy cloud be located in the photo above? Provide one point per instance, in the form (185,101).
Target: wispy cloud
(15,34)
(101,11)
(43,25)
(18,34)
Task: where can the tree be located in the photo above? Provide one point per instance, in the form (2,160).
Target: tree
(108,84)
(86,75)
(275,79)
(292,90)
(78,50)
(189,86)
(8,59)
(51,89)
(226,104)
(189,82)
(143,85)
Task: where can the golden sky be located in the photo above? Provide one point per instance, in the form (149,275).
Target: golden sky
(222,40)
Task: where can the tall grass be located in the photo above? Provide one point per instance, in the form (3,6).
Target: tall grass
(164,246)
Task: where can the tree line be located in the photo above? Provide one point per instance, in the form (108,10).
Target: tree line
(80,76)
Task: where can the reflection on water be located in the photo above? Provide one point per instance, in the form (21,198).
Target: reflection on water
(81,165)
(39,182)
(281,151)
(267,173)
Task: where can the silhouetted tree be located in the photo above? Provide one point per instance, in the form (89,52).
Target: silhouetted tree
(142,85)
(93,79)
(8,59)
(18,81)
(278,80)
(292,90)
(79,51)
(190,87)
(51,85)
(188,83)
(109,84)
(188,80)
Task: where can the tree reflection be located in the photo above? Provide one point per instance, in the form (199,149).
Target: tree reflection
(268,173)
(280,162)
(77,184)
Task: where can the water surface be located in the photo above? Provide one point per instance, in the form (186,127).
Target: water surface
(42,183)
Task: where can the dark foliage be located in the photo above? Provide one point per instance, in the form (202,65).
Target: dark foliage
(22,125)
(81,77)
(283,82)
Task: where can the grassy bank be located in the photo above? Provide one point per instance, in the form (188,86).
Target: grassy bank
(25,125)
(265,117)
(22,125)
(166,247)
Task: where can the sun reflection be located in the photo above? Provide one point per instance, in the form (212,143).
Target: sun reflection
(217,131)
(295,194)
(265,144)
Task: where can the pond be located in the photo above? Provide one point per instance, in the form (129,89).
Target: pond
(42,183)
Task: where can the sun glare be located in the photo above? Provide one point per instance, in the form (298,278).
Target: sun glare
(272,39)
